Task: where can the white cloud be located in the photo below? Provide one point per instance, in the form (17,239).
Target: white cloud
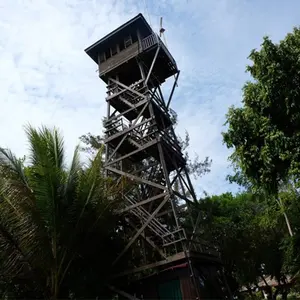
(46,78)
(211,41)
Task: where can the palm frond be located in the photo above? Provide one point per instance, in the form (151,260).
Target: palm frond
(72,177)
(50,213)
(11,254)
(57,147)
(19,240)
(10,165)
(46,146)
(88,184)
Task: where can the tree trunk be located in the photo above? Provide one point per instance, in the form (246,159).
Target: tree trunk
(288,224)
(287,221)
(268,288)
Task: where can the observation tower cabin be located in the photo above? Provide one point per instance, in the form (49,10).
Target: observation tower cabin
(123,52)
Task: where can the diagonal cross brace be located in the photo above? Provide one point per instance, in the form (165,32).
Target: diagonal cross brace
(128,88)
(136,178)
(149,241)
(152,65)
(142,203)
(173,89)
(125,136)
(142,229)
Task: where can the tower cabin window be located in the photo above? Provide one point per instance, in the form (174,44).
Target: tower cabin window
(114,50)
(121,46)
(102,57)
(127,41)
(107,53)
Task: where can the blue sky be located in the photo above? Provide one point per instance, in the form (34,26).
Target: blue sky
(46,78)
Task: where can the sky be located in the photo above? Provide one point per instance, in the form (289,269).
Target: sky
(46,77)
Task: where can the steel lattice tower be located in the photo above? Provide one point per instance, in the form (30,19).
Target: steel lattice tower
(142,147)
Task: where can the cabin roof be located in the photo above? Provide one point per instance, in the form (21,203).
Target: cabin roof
(138,22)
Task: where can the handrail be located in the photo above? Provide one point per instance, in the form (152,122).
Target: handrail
(153,39)
(170,140)
(149,41)
(114,89)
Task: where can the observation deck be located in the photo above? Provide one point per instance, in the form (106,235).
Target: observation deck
(117,54)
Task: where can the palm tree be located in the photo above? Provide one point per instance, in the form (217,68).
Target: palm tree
(57,224)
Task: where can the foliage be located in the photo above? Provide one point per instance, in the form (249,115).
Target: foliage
(248,229)
(265,131)
(196,167)
(57,224)
(92,143)
(264,135)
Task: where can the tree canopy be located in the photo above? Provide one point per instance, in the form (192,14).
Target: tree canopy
(57,226)
(264,136)
(249,231)
(264,132)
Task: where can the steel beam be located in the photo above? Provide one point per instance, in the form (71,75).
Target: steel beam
(152,216)
(152,65)
(149,241)
(128,88)
(136,178)
(142,203)
(173,89)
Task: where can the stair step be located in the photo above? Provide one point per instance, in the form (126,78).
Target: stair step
(124,100)
(173,232)
(154,225)
(174,242)
(134,143)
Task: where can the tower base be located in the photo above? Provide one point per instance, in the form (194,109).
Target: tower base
(172,279)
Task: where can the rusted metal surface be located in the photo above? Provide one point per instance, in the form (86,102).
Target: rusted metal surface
(187,288)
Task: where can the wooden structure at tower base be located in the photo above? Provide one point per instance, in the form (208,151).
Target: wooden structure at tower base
(172,279)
